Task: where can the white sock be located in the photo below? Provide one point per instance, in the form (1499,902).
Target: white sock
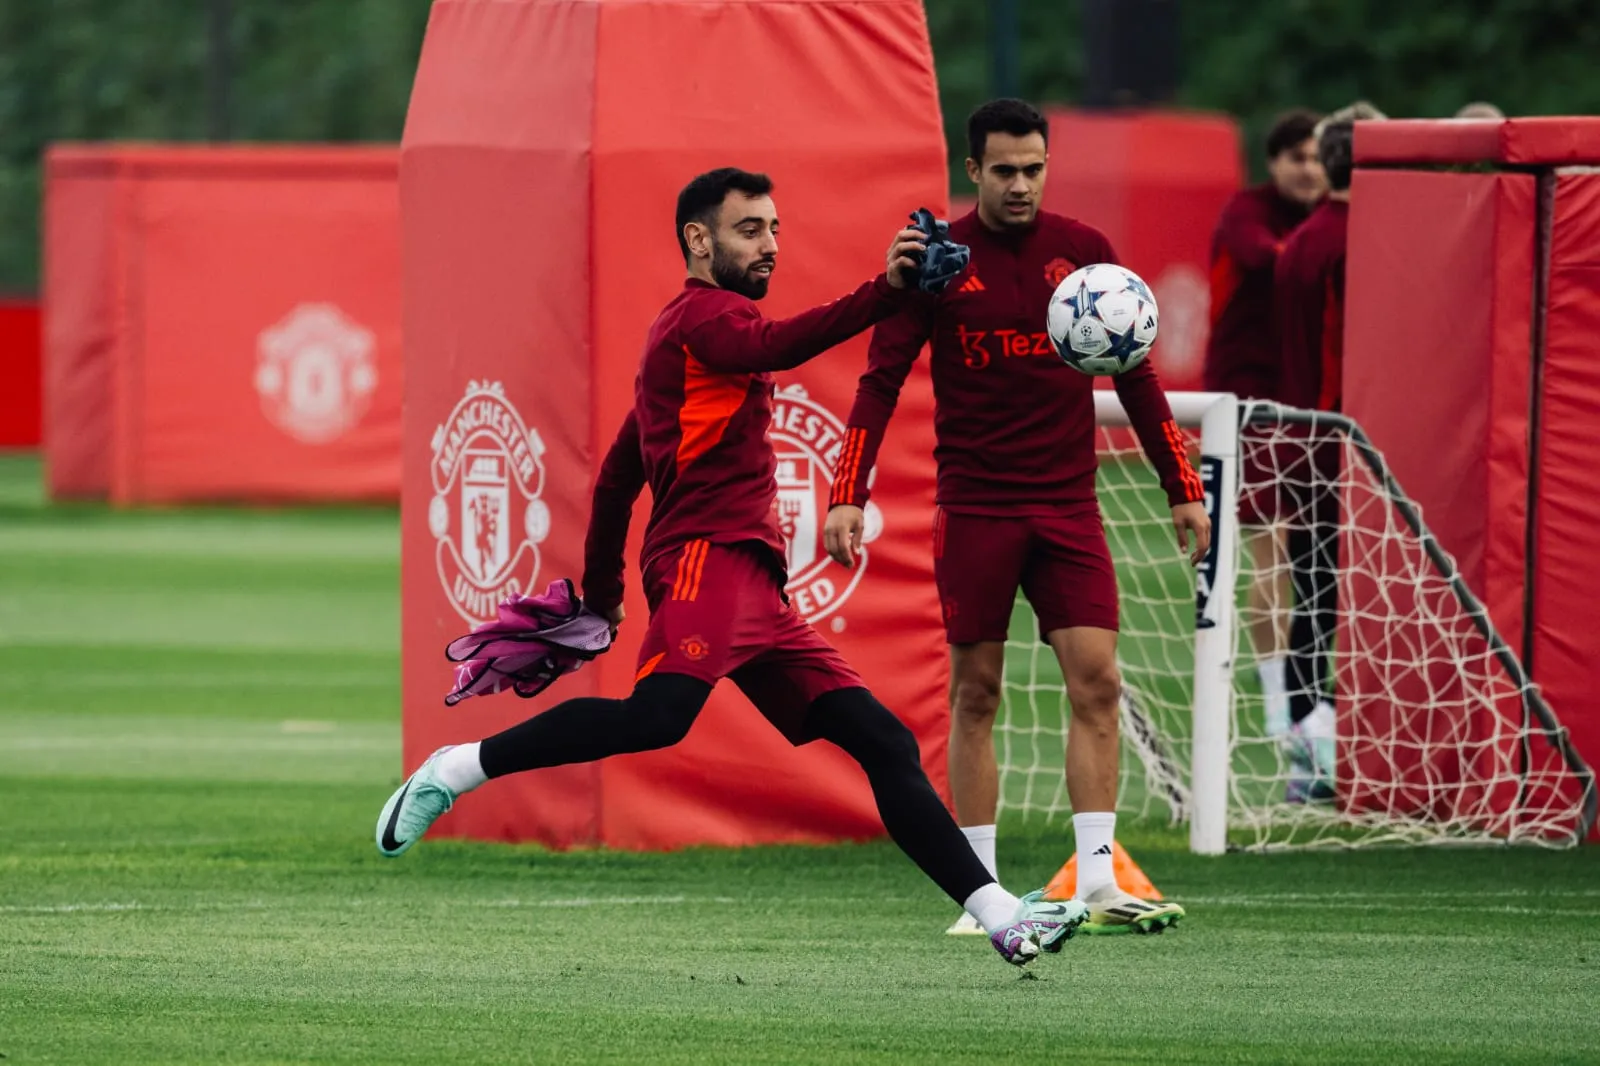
(1095,831)
(981,837)
(459,769)
(993,907)
(1275,690)
(1319,724)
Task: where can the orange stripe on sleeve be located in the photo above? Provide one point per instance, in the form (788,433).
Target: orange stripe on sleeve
(844,483)
(837,491)
(1180,452)
(855,462)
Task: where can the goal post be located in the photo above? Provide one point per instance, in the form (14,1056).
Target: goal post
(1216,416)
(1440,735)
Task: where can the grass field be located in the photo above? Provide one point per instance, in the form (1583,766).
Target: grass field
(198,723)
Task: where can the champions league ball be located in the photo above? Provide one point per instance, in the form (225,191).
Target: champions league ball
(1102,319)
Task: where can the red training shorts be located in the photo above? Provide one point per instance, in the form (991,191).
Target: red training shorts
(1056,555)
(718,610)
(1261,473)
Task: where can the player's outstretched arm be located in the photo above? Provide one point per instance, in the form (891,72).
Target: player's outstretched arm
(896,343)
(1163,442)
(738,340)
(618,485)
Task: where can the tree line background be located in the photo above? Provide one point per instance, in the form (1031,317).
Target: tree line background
(340,70)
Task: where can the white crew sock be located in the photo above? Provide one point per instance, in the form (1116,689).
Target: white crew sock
(1319,724)
(1275,690)
(981,837)
(993,907)
(1095,831)
(1318,729)
(459,769)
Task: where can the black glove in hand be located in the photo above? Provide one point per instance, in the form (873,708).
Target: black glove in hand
(944,259)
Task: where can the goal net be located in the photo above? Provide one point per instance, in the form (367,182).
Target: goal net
(1430,730)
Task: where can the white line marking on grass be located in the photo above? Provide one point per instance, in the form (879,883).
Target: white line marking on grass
(1433,902)
(110,908)
(258,905)
(606,901)
(254,745)
(296,725)
(1419,902)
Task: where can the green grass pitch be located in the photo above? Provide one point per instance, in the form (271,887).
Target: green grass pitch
(198,723)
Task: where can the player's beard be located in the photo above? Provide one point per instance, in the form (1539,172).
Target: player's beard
(729,275)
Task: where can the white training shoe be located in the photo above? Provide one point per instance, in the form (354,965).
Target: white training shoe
(1111,910)
(966,925)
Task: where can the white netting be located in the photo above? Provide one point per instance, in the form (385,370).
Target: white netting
(1435,741)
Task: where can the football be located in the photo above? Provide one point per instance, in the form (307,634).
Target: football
(1102,319)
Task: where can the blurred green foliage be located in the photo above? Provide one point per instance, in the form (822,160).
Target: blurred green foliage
(340,70)
(90,70)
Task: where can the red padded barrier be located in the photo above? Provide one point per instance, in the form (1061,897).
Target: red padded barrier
(223,323)
(543,154)
(21,369)
(1436,374)
(1539,141)
(1566,644)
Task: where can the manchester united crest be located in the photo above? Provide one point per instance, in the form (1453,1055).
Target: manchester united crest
(315,373)
(1056,271)
(807,439)
(486,515)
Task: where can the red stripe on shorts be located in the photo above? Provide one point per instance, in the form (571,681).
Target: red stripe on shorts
(686,586)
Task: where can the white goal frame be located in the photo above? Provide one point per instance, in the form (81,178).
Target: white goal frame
(1217,416)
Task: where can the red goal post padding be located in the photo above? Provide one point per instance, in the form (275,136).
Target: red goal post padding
(1481,395)
(543,154)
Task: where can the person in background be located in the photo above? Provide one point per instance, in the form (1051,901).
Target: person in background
(1309,290)
(1242,357)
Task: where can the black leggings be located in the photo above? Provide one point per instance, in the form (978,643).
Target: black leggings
(662,708)
(1314,571)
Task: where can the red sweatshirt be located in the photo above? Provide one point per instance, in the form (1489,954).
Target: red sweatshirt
(1242,351)
(1014,425)
(1309,292)
(698,429)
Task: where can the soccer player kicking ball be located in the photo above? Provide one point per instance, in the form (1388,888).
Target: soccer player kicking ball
(1016,466)
(714,568)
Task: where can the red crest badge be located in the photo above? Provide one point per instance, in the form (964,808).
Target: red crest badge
(1056,271)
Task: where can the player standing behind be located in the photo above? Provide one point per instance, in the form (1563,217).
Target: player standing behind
(1308,289)
(714,568)
(1015,448)
(1242,357)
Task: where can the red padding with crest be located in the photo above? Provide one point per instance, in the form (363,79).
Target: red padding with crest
(543,155)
